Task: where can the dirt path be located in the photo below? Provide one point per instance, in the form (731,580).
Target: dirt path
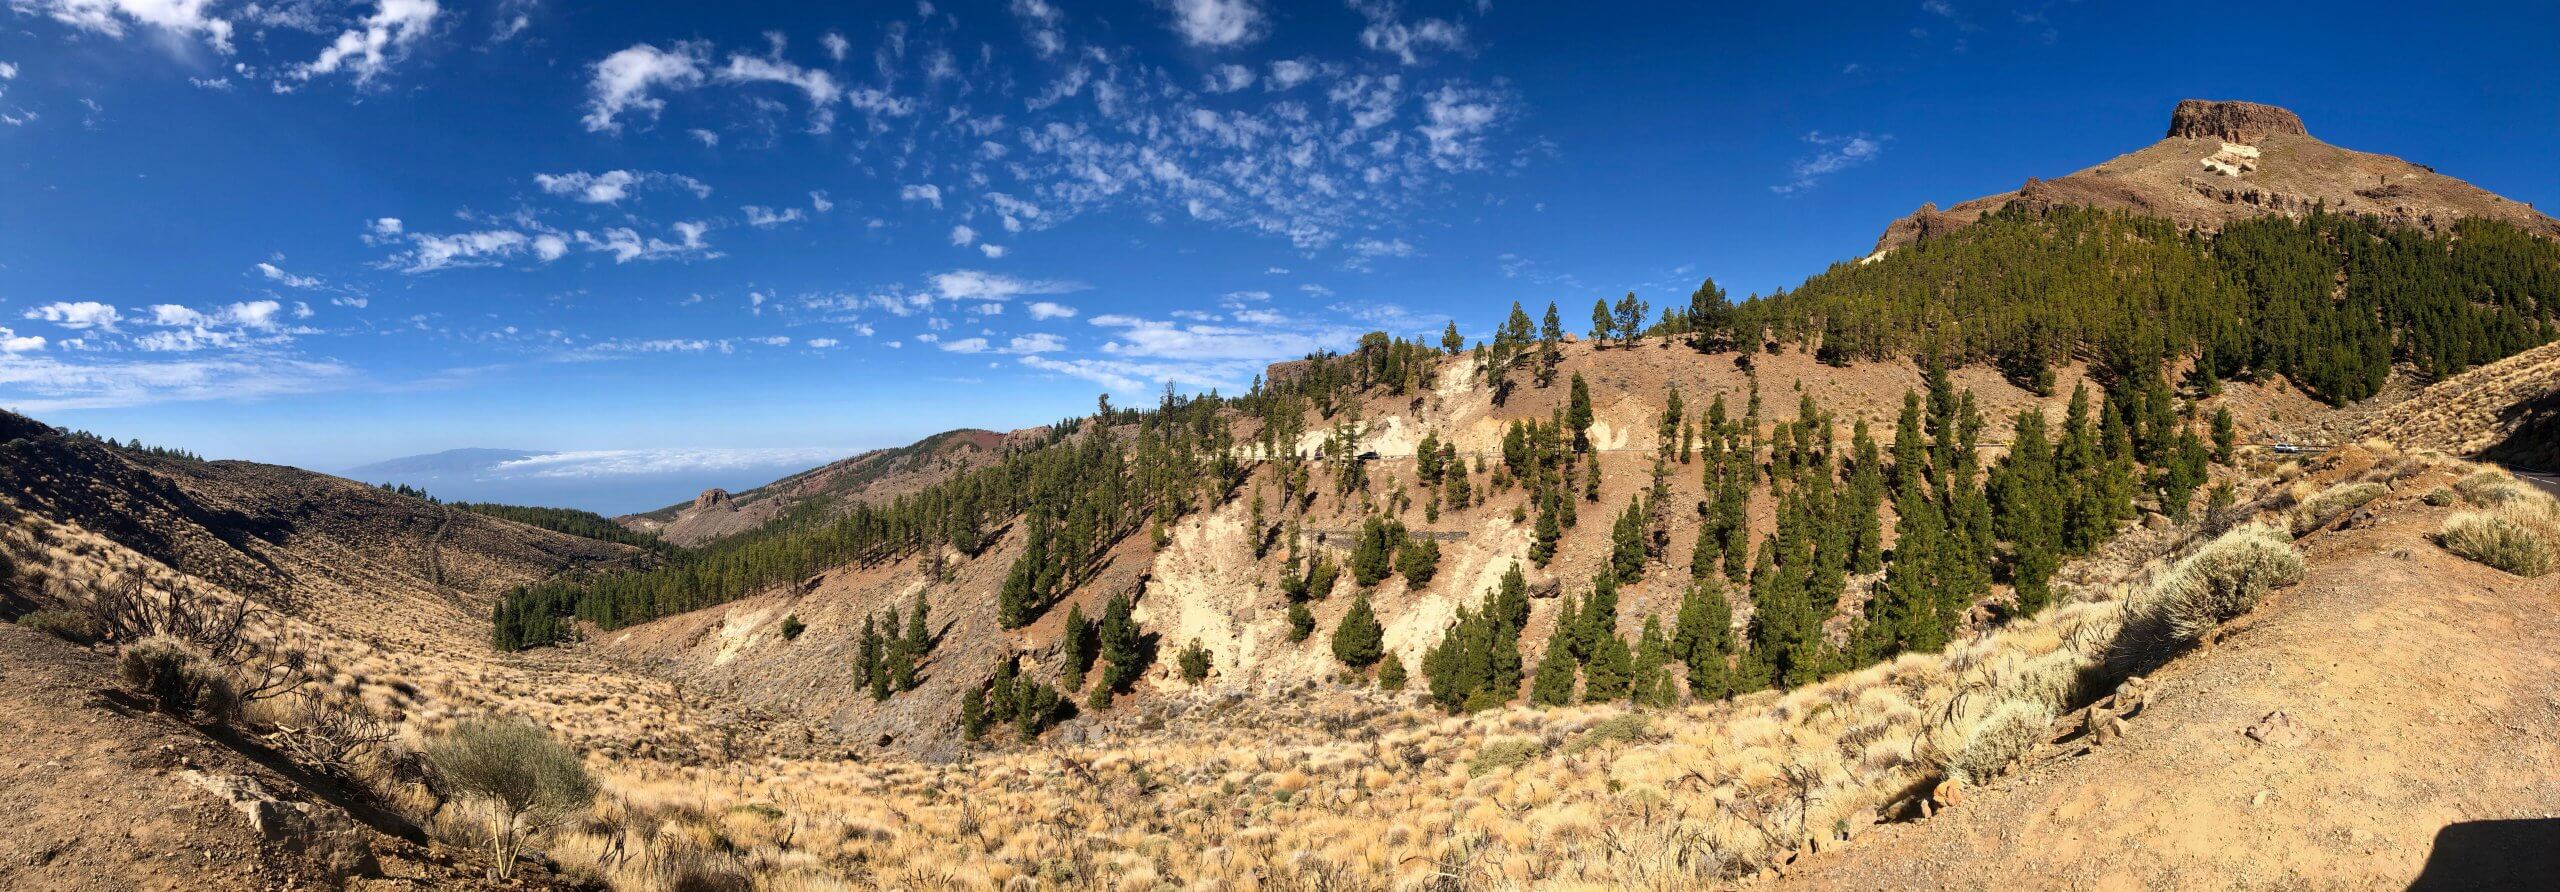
(2426,691)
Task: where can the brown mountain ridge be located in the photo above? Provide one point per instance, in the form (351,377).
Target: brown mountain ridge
(2228,160)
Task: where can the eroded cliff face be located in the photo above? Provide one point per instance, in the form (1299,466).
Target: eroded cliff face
(2246,123)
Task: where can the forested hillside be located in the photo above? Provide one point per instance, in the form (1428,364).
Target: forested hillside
(2329,301)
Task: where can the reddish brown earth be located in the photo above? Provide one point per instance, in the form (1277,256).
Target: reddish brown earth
(2422,697)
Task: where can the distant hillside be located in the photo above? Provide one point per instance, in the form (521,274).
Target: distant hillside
(820,492)
(448,462)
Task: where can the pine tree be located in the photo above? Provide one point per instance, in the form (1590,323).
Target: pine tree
(1703,637)
(1599,617)
(1374,557)
(1075,649)
(866,660)
(2226,435)
(1602,324)
(1550,529)
(973,713)
(1553,684)
(2026,498)
(1419,561)
(1611,671)
(1578,415)
(1450,342)
(919,631)
(1652,685)
(1358,641)
(1118,645)
(1865,502)
(1626,537)
(1302,622)
(1391,673)
(1194,662)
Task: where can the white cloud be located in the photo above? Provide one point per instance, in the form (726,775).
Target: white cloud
(78,315)
(768,218)
(969,284)
(629,462)
(1406,41)
(46,384)
(385,226)
(836,45)
(185,18)
(612,186)
(289,280)
(963,345)
(622,82)
(1040,26)
(12,342)
(928,193)
(707,138)
(1228,79)
(963,235)
(1041,309)
(393,26)
(428,253)
(1288,73)
(1366,250)
(626,244)
(822,343)
(1036,342)
(1836,153)
(818,202)
(1217,23)
(992,250)
(819,86)
(1454,121)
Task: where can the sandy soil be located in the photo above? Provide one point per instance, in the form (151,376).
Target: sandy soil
(2424,696)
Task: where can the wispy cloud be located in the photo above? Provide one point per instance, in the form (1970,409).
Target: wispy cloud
(1833,154)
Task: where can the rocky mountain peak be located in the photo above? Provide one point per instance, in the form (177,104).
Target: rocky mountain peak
(712,498)
(2231,121)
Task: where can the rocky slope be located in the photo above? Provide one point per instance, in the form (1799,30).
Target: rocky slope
(2508,411)
(2387,723)
(1206,585)
(2223,161)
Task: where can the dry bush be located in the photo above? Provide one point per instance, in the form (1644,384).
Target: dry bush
(1623,728)
(526,782)
(2222,580)
(2006,734)
(2489,487)
(179,679)
(2505,537)
(1509,752)
(2334,502)
(68,625)
(329,736)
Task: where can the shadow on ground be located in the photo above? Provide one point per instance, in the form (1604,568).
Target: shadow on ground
(2522,854)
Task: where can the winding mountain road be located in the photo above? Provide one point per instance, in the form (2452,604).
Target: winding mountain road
(2549,482)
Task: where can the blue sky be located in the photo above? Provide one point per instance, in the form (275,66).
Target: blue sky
(326,233)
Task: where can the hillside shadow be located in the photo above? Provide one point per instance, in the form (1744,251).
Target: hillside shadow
(2535,442)
(2519,854)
